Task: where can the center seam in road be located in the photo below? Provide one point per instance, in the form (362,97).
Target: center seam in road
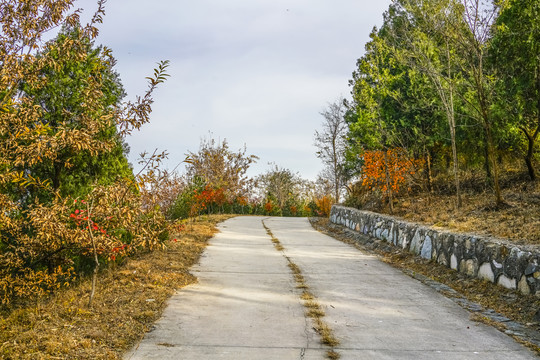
(313,309)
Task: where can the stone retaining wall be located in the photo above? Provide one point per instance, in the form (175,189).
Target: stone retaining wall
(496,260)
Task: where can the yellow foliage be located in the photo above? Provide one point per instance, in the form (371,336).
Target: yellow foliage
(324,205)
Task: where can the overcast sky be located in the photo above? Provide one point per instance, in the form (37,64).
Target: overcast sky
(254,72)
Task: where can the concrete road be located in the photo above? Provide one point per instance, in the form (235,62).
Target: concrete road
(246,305)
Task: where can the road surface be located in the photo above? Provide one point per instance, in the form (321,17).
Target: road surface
(246,305)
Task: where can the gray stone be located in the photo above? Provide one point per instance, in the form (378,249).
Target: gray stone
(426,248)
(384,235)
(485,272)
(531,269)
(523,286)
(506,282)
(416,243)
(407,237)
(459,246)
(468,267)
(442,260)
(453,262)
(516,263)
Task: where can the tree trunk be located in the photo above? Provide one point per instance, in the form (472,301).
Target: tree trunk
(487,166)
(530,168)
(531,138)
(427,171)
(494,166)
(452,123)
(96,259)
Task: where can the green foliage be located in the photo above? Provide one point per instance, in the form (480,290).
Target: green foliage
(182,207)
(514,57)
(453,82)
(69,200)
(62,97)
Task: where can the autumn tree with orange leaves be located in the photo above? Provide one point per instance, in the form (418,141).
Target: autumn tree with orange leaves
(388,170)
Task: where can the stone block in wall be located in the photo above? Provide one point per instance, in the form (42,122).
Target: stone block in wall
(469,267)
(454,262)
(417,241)
(507,282)
(441,259)
(407,237)
(523,286)
(427,248)
(486,272)
(469,248)
(458,248)
(516,262)
(498,268)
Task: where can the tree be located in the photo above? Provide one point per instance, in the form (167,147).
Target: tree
(331,142)
(280,184)
(424,37)
(221,167)
(514,55)
(388,170)
(73,171)
(473,43)
(45,242)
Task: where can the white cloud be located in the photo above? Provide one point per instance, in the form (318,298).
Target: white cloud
(255,72)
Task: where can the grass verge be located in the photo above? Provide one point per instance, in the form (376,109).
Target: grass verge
(129,298)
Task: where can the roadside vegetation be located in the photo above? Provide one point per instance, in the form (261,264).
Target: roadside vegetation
(130,296)
(444,101)
(89,249)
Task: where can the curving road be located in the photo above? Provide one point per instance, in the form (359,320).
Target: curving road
(246,305)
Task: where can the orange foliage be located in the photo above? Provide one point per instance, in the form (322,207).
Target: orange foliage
(209,195)
(268,207)
(388,170)
(324,205)
(242,200)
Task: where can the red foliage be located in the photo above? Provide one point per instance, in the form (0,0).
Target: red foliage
(202,199)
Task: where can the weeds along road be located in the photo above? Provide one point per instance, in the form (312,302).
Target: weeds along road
(250,304)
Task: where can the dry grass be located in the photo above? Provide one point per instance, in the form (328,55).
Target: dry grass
(326,333)
(129,298)
(332,355)
(518,220)
(306,296)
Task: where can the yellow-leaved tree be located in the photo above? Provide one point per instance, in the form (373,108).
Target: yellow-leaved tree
(49,235)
